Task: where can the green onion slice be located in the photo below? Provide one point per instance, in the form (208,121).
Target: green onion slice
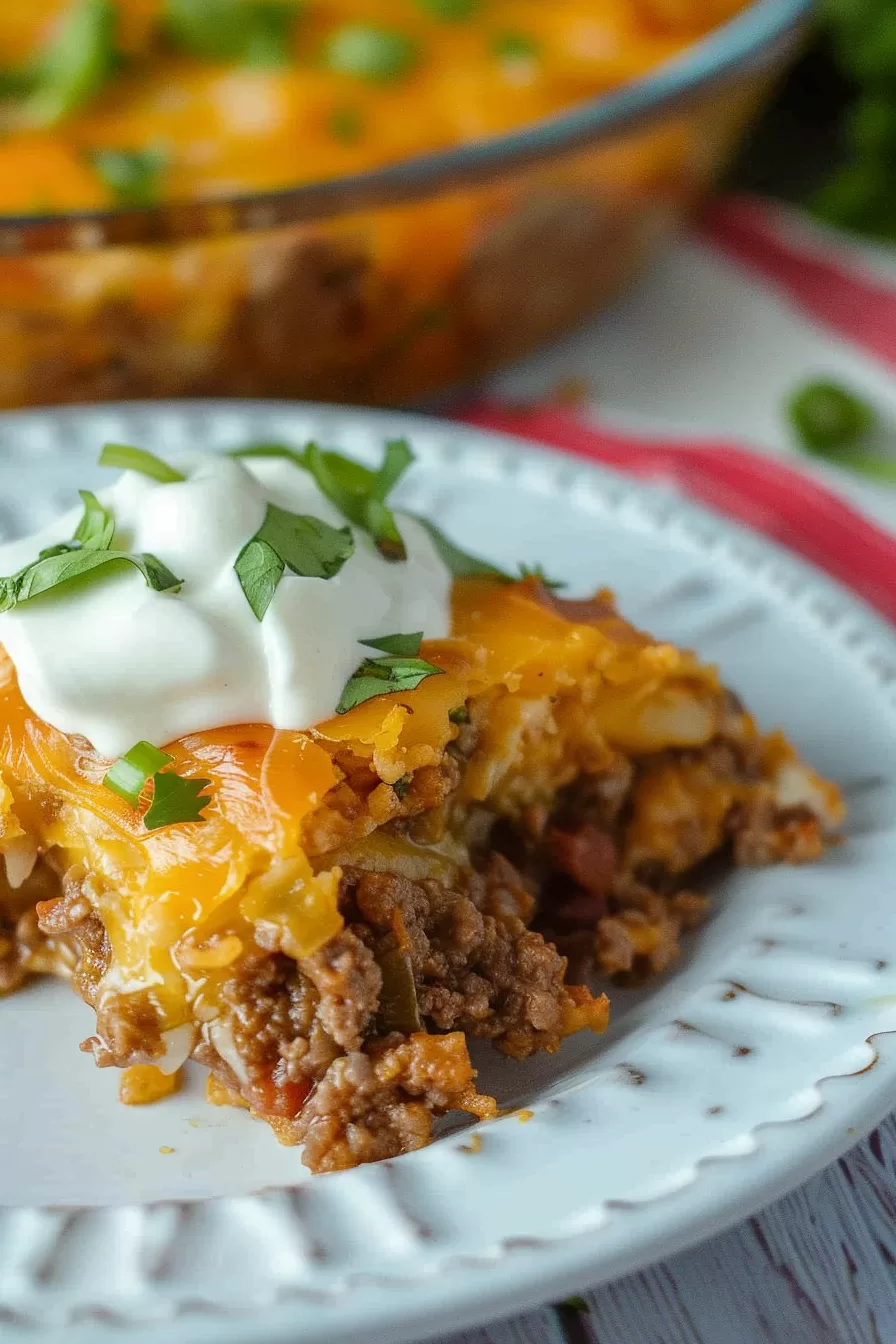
(270,450)
(174,799)
(97,527)
(128,458)
(131,772)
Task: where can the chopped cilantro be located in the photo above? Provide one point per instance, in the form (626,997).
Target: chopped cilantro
(461,564)
(537,572)
(382,676)
(58,565)
(360,493)
(175,800)
(403,646)
(308,546)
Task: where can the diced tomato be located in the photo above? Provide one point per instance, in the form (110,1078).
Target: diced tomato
(588,856)
(273,1097)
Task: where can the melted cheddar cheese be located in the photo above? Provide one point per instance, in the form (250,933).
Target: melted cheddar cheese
(554,689)
(221,127)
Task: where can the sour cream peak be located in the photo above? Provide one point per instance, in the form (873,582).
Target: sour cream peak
(111,658)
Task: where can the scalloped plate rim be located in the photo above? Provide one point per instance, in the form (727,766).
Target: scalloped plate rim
(519,1279)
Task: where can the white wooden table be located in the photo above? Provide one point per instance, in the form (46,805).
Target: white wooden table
(699,346)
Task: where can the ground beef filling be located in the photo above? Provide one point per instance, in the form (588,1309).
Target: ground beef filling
(355,1051)
(340,1050)
(603,905)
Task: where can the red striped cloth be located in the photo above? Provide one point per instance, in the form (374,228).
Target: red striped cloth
(842,297)
(755,489)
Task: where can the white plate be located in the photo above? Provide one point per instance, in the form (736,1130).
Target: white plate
(762,1056)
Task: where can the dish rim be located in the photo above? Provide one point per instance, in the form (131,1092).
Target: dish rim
(752,39)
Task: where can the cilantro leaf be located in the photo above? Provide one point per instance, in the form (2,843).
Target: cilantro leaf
(259,569)
(97,527)
(130,773)
(537,572)
(250,32)
(308,546)
(460,563)
(138,459)
(53,570)
(133,175)
(404,646)
(175,800)
(382,676)
(360,493)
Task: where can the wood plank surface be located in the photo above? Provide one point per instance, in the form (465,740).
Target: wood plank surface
(818,1267)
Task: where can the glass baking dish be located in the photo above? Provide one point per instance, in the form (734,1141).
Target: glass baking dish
(386,287)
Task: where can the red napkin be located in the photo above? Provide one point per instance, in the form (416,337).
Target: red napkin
(758,491)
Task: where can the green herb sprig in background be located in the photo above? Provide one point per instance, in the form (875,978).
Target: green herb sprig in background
(832,423)
(862,193)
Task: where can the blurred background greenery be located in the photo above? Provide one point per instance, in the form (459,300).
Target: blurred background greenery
(829,139)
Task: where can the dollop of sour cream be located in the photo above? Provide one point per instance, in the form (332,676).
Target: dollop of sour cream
(118,663)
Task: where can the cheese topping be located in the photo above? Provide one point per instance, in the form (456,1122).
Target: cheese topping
(116,662)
